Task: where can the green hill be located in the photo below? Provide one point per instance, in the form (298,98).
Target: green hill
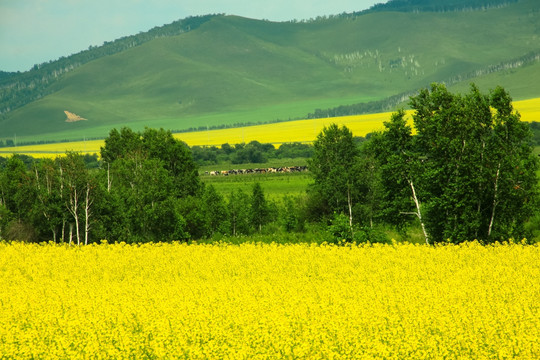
(227,70)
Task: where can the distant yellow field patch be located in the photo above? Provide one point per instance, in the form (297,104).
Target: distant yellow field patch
(56,149)
(277,133)
(285,132)
(528,109)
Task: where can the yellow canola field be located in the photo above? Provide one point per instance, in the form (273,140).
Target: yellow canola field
(285,132)
(257,301)
(528,109)
(276,133)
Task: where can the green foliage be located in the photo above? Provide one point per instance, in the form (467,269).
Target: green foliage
(16,188)
(259,209)
(5,219)
(293,214)
(340,232)
(239,213)
(146,175)
(136,147)
(252,153)
(339,229)
(332,168)
(216,212)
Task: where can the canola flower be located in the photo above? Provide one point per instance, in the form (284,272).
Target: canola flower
(269,301)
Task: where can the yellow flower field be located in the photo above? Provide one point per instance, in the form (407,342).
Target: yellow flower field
(256,301)
(276,133)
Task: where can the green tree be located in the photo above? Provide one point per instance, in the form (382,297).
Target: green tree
(5,218)
(260,211)
(333,169)
(50,212)
(192,210)
(239,214)
(216,213)
(77,186)
(17,197)
(177,160)
(155,144)
(146,174)
(292,214)
(400,173)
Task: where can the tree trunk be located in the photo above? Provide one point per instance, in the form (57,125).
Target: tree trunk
(87,214)
(349,203)
(70,233)
(495,201)
(418,211)
(73,209)
(108,178)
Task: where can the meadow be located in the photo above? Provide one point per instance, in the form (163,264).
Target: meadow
(275,186)
(269,301)
(275,133)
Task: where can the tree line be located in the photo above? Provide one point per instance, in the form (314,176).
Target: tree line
(251,153)
(437,5)
(146,188)
(466,172)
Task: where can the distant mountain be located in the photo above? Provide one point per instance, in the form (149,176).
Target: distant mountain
(224,70)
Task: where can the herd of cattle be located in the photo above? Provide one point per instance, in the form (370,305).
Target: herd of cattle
(284,169)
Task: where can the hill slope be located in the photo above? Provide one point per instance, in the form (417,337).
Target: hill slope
(235,70)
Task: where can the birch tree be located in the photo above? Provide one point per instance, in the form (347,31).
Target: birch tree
(49,208)
(399,163)
(75,183)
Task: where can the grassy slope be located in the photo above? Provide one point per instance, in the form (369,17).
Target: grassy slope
(233,70)
(522,83)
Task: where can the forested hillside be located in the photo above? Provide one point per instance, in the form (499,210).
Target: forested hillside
(223,70)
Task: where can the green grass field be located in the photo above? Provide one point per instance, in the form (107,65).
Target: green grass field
(275,186)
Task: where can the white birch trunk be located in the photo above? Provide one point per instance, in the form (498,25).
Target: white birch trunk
(349,203)
(108,178)
(70,233)
(495,201)
(87,214)
(418,211)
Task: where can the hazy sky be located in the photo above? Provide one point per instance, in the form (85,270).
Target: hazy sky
(36,31)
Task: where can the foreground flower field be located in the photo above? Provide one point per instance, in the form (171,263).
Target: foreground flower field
(269,301)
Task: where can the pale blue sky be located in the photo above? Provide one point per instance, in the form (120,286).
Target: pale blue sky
(36,31)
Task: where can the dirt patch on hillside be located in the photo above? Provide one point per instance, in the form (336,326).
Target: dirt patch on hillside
(71,117)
